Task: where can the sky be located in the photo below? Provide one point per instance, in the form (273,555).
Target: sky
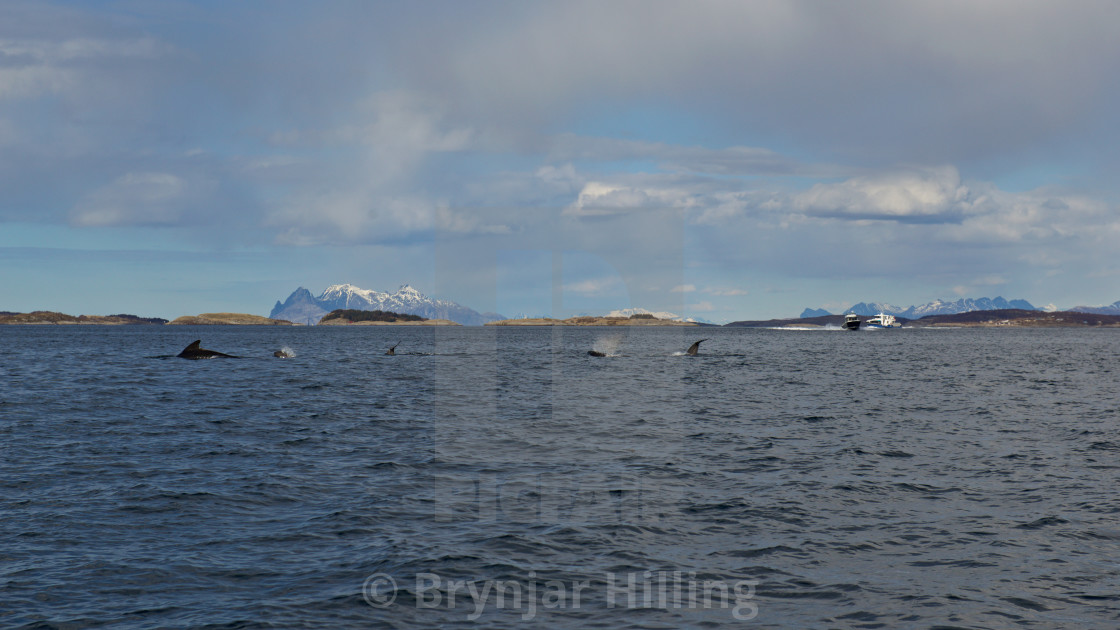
(722,160)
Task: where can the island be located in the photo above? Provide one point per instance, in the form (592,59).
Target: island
(52,317)
(1015,318)
(228,319)
(633,320)
(1018,318)
(355,317)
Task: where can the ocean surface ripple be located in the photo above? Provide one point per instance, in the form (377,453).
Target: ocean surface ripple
(912,478)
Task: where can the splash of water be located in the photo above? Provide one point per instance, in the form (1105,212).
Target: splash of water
(608,345)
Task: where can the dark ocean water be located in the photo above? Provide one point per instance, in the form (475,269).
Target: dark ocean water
(878,479)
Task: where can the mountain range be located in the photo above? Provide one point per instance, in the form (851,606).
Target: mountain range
(1110,309)
(304,308)
(627,312)
(936,307)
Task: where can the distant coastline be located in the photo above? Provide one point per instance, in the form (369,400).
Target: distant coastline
(423,322)
(975,319)
(377,317)
(228,319)
(38,318)
(590,321)
(1017,318)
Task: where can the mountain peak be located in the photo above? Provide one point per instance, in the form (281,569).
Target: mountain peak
(302,307)
(1108,309)
(941,307)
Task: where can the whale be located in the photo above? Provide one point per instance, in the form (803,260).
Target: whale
(393,350)
(280,354)
(595,353)
(195,351)
(694,348)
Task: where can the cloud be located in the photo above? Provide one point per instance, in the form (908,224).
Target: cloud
(351,217)
(932,195)
(392,131)
(1035,216)
(594,287)
(922,82)
(735,160)
(134,199)
(724,292)
(989,281)
(34,67)
(600,199)
(683,288)
(928,143)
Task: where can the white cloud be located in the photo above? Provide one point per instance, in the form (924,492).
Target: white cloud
(1035,216)
(683,288)
(601,199)
(932,193)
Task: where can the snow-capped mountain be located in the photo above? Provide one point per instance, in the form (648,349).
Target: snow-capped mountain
(940,307)
(627,312)
(301,307)
(966,305)
(1110,309)
(874,308)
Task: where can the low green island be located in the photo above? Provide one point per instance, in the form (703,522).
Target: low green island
(355,317)
(227,319)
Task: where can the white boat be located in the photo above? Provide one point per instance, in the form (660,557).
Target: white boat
(882,320)
(851,321)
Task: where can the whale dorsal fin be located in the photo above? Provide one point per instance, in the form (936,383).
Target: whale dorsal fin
(694,348)
(194,346)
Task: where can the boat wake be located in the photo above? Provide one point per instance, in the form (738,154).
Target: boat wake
(826,328)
